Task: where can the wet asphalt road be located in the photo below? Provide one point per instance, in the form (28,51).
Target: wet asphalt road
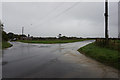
(27,60)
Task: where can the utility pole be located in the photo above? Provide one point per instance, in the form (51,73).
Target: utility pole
(106,19)
(22,30)
(119,19)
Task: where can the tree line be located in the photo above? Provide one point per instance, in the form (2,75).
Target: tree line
(10,35)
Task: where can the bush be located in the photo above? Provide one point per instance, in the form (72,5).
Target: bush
(4,36)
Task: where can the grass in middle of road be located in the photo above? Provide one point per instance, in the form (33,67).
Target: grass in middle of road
(51,41)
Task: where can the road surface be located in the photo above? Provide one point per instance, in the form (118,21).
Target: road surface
(27,60)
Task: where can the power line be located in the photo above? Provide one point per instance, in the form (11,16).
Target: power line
(69,8)
(51,12)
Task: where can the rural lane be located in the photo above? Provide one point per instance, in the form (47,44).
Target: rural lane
(28,60)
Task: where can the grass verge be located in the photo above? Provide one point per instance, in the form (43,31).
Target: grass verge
(104,55)
(50,41)
(5,44)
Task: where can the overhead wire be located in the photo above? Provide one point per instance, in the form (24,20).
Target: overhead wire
(49,13)
(58,15)
(61,13)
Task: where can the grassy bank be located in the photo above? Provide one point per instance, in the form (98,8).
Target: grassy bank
(5,44)
(51,41)
(105,55)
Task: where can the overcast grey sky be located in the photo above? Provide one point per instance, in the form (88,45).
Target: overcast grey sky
(81,19)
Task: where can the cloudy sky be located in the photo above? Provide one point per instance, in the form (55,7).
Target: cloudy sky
(81,19)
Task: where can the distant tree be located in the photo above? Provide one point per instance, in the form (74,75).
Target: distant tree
(23,35)
(59,36)
(28,35)
(63,37)
(10,35)
(119,35)
(1,26)
(4,34)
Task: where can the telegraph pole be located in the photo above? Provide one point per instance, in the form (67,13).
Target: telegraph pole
(106,19)
(119,19)
(22,31)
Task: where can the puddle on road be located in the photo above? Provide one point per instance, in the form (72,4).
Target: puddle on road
(44,46)
(81,60)
(4,62)
(57,55)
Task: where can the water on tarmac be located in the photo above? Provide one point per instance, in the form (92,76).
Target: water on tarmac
(27,60)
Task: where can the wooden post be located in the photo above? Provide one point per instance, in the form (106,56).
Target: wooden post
(106,19)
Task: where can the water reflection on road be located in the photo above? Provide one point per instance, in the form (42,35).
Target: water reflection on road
(25,60)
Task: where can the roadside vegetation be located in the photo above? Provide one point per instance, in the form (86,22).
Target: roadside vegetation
(6,45)
(30,39)
(5,38)
(108,54)
(51,41)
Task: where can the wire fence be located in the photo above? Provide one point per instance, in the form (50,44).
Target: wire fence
(112,43)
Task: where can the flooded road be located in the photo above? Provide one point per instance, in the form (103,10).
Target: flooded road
(27,60)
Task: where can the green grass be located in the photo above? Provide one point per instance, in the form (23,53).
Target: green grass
(6,45)
(112,44)
(50,41)
(105,55)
